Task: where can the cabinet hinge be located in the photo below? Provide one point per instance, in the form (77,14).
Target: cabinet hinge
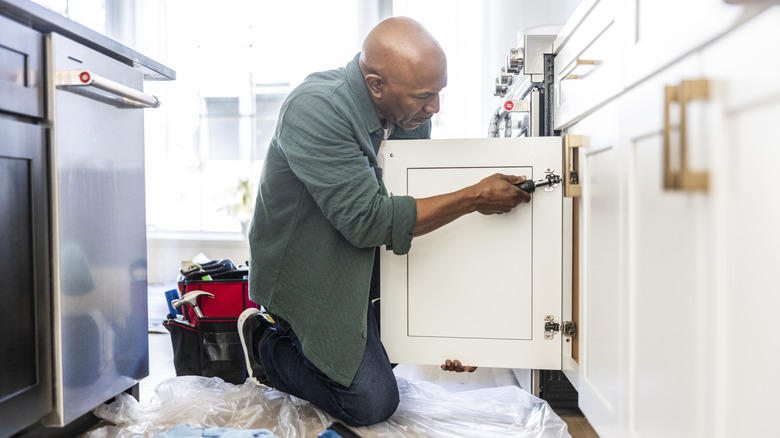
(569,328)
(571,177)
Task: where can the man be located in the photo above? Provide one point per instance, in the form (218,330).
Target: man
(322,211)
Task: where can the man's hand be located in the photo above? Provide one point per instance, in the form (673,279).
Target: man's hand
(499,194)
(456,366)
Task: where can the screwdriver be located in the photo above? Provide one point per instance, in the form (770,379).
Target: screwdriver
(530,186)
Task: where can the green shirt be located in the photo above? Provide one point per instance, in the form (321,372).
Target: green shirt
(321,211)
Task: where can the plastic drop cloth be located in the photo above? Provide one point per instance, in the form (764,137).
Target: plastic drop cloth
(426,410)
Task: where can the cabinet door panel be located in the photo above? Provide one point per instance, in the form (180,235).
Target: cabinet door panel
(664,290)
(437,255)
(602,301)
(670,244)
(479,288)
(25,383)
(748,375)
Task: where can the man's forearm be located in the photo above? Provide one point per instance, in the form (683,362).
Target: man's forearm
(495,194)
(437,211)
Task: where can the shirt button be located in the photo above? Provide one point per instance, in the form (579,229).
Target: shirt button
(365,335)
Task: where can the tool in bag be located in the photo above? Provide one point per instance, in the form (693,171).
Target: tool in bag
(205,339)
(227,290)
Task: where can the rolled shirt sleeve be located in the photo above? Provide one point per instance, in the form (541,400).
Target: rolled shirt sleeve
(403,224)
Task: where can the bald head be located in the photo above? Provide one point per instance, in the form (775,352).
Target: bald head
(399,42)
(404,69)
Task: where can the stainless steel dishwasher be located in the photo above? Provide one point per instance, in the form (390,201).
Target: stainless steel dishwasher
(98,227)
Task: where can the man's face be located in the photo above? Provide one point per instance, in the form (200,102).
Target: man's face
(411,98)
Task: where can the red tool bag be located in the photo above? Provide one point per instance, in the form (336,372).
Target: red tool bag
(228,285)
(208,344)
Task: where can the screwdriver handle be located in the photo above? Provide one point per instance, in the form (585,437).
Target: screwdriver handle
(527,186)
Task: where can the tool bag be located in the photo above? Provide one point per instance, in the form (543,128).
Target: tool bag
(225,281)
(210,346)
(212,349)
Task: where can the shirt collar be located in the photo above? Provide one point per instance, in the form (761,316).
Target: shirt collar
(362,99)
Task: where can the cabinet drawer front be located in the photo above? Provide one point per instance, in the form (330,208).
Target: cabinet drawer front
(588,65)
(659,32)
(21,73)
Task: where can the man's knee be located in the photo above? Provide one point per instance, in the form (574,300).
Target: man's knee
(374,407)
(377,414)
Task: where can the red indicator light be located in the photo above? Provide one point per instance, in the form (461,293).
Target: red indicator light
(509,105)
(84,77)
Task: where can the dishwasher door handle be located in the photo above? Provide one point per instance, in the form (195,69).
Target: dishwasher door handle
(84,82)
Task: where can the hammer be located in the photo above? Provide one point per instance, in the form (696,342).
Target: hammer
(191,298)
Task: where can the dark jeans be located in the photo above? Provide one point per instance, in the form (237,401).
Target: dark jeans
(372,397)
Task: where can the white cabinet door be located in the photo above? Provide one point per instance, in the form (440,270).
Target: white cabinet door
(671,239)
(747,374)
(479,288)
(602,302)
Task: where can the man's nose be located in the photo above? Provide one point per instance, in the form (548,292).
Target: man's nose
(432,107)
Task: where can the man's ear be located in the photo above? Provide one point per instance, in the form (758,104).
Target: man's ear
(375,85)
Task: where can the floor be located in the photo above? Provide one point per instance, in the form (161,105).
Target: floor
(161,368)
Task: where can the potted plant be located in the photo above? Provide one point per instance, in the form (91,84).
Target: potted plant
(242,207)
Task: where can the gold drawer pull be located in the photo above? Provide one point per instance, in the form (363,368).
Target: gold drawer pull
(682,178)
(580,69)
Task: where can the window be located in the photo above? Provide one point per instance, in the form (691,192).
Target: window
(236,61)
(268,102)
(221,121)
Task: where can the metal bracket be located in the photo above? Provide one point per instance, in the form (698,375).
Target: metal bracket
(523,105)
(569,328)
(554,180)
(571,185)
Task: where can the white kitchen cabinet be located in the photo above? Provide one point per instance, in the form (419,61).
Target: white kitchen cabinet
(480,288)
(684,271)
(659,32)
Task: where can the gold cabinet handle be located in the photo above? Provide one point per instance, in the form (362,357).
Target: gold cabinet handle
(580,68)
(571,184)
(682,178)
